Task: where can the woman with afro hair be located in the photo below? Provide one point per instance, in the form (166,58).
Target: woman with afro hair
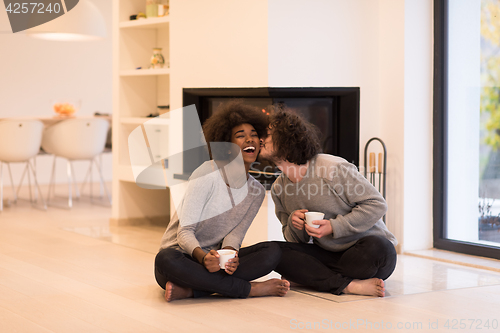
(219,205)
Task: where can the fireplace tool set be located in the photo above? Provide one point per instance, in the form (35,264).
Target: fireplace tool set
(376,172)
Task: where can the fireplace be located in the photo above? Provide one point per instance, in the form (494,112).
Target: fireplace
(335,111)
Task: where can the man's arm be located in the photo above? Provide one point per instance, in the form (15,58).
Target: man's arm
(368,205)
(290,233)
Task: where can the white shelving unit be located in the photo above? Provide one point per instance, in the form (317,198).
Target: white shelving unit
(145,72)
(149,23)
(137,93)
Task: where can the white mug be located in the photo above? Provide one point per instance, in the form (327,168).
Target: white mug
(313,216)
(225,255)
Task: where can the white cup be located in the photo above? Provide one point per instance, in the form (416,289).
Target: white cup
(225,255)
(313,216)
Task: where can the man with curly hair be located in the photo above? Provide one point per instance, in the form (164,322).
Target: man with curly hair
(351,250)
(219,205)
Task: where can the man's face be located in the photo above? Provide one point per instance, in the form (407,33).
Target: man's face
(266,146)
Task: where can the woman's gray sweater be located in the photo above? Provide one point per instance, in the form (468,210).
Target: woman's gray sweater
(213,215)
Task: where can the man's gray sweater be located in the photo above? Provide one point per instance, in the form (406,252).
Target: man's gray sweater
(334,187)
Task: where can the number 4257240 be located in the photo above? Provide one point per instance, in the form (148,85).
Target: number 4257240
(33,8)
(470,324)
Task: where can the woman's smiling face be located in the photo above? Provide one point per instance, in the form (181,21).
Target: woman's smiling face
(246,137)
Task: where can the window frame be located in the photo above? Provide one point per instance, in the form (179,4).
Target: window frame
(440,145)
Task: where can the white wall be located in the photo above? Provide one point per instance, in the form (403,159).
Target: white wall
(35,72)
(418,94)
(327,44)
(220,43)
(390,72)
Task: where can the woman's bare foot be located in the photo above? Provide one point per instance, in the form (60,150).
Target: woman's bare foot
(369,287)
(272,287)
(174,292)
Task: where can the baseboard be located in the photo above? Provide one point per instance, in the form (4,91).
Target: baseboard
(458,258)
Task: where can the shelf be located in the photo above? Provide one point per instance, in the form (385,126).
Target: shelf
(142,120)
(145,72)
(149,23)
(125,174)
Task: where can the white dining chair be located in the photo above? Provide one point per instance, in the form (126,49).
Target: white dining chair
(76,139)
(19,142)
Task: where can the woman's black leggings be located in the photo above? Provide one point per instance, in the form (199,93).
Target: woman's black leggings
(323,270)
(180,268)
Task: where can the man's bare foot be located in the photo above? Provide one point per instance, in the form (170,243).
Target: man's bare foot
(174,292)
(369,287)
(272,287)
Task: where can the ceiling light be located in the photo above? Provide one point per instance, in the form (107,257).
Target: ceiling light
(82,23)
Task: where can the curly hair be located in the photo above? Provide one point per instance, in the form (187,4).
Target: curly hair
(294,139)
(218,128)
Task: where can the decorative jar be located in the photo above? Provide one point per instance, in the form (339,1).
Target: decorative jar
(152,8)
(157,60)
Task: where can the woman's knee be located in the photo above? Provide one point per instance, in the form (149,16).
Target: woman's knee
(161,266)
(168,259)
(165,254)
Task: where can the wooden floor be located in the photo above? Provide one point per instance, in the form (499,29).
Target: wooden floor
(68,271)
